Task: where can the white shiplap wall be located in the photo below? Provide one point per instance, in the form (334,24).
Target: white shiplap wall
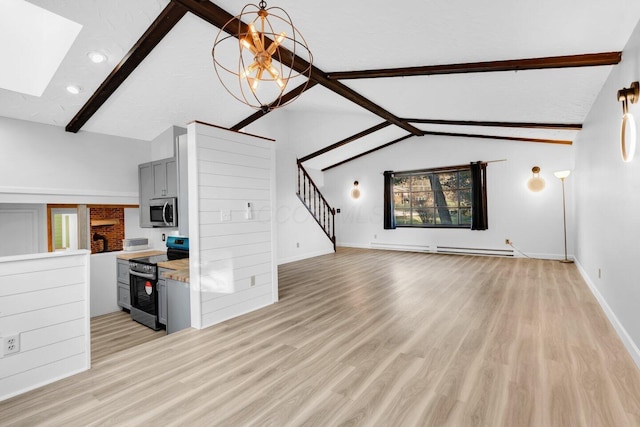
(45,299)
(227,170)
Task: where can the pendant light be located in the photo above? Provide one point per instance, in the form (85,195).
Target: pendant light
(254,56)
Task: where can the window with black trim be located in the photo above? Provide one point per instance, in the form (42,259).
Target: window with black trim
(433,198)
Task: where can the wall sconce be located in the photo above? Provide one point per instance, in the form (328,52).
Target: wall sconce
(355,191)
(628,125)
(535,183)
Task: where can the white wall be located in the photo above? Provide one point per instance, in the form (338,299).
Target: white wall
(298,134)
(232,260)
(533,221)
(45,164)
(608,200)
(44,299)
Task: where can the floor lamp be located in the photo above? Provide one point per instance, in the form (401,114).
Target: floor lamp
(562,175)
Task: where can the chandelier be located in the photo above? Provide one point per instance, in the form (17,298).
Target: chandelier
(255,55)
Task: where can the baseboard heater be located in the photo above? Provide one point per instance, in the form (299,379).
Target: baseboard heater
(474,251)
(401,247)
(444,249)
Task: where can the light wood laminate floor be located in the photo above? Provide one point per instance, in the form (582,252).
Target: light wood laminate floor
(366,337)
(115,332)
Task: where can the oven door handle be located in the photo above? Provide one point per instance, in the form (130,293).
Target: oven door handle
(149,276)
(164,216)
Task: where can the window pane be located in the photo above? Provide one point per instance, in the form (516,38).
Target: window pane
(448,180)
(401,200)
(444,216)
(465,179)
(465,197)
(420,183)
(419,200)
(424,216)
(451,197)
(465,216)
(402,216)
(402,182)
(453,214)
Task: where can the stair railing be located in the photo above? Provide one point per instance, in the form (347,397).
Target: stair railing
(316,204)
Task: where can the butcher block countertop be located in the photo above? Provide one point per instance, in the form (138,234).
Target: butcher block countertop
(176,264)
(178,275)
(179,267)
(132,255)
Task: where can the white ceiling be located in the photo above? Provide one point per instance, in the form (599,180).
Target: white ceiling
(176,83)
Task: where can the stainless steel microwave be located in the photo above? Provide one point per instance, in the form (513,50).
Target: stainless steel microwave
(163,212)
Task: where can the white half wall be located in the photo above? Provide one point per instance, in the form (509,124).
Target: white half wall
(532,221)
(45,164)
(232,256)
(44,300)
(608,199)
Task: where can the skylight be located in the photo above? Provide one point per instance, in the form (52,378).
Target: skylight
(33,43)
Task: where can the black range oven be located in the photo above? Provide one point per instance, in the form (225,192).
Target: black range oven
(143,281)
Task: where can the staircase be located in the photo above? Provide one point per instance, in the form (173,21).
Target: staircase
(316,204)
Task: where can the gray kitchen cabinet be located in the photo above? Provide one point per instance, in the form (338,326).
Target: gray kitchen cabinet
(165,177)
(145,190)
(178,306)
(162,296)
(156,179)
(124,296)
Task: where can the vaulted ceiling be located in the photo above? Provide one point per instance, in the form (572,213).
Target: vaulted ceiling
(513,70)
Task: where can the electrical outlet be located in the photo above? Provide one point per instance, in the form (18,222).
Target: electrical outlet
(599,273)
(164,237)
(297,244)
(507,241)
(10,344)
(253,280)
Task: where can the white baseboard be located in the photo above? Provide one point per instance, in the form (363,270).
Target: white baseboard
(631,346)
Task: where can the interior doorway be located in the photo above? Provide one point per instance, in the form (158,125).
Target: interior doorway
(64,229)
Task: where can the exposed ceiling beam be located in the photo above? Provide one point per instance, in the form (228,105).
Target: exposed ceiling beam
(286,98)
(219,17)
(369,151)
(506,138)
(529,125)
(568,61)
(509,138)
(345,141)
(167,19)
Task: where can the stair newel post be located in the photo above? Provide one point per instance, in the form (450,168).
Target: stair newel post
(333,228)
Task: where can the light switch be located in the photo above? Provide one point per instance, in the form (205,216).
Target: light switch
(225,215)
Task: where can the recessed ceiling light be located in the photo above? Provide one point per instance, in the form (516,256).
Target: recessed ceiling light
(74,89)
(97,57)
